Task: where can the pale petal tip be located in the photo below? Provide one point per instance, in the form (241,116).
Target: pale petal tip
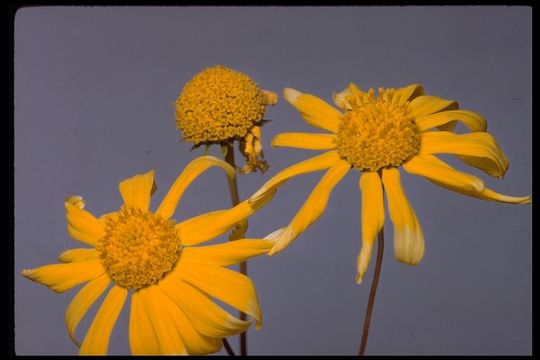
(26,272)
(271,97)
(358,279)
(276,238)
(75,200)
(291,95)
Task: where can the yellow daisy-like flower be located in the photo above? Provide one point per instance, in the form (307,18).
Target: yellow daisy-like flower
(220,105)
(171,280)
(376,134)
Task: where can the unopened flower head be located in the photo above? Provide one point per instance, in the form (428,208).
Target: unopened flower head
(220,105)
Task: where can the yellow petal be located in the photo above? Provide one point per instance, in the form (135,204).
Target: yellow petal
(226,285)
(195,342)
(77,255)
(426,105)
(488,194)
(136,190)
(226,254)
(82,302)
(142,338)
(372,218)
(208,226)
(470,119)
(477,149)
(305,141)
(408,93)
(314,110)
(408,236)
(312,208)
(82,225)
(316,163)
(190,173)
(96,341)
(207,317)
(170,342)
(449,178)
(62,277)
(432,168)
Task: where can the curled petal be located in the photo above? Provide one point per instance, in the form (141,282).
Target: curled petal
(190,173)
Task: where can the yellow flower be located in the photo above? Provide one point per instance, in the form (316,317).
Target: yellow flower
(220,105)
(376,135)
(171,280)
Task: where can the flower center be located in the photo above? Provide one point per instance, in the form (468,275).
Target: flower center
(376,132)
(220,104)
(138,248)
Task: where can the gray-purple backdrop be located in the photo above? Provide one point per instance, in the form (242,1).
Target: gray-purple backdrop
(94,94)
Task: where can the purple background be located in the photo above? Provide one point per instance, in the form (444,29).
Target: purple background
(94,94)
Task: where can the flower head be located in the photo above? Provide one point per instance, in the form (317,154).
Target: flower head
(376,134)
(220,105)
(156,260)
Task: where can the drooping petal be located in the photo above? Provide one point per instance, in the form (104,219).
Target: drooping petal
(470,119)
(207,317)
(305,141)
(62,277)
(312,208)
(442,174)
(170,342)
(316,163)
(314,110)
(226,285)
(230,253)
(135,191)
(142,337)
(195,342)
(372,218)
(488,194)
(432,168)
(408,93)
(190,173)
(477,149)
(77,255)
(208,226)
(408,236)
(82,302)
(427,104)
(82,225)
(96,341)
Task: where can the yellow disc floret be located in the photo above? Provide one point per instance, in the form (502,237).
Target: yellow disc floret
(138,248)
(377,132)
(220,104)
